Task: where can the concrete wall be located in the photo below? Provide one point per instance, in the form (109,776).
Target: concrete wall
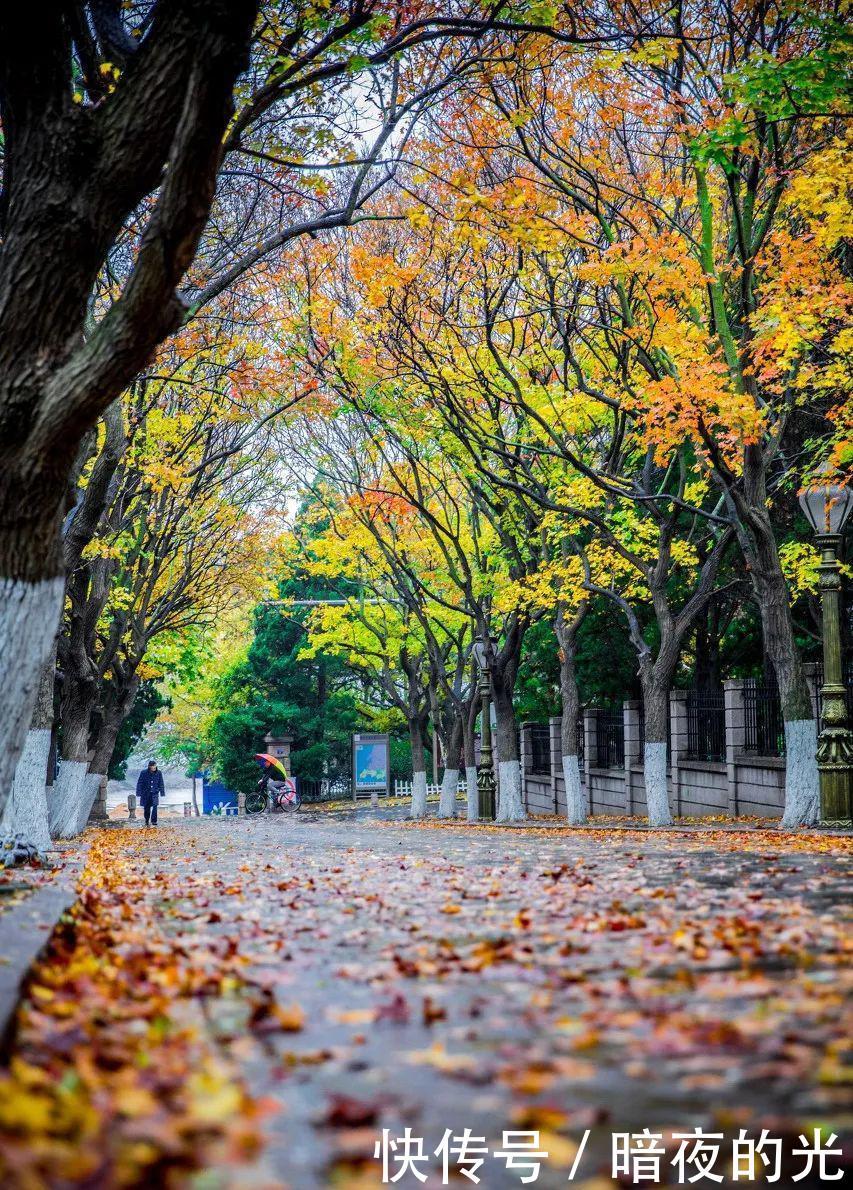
(761,786)
(740,784)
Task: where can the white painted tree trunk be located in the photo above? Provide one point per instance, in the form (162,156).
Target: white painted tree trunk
(447,798)
(802,779)
(419,794)
(91,784)
(98,814)
(576,810)
(73,794)
(473,798)
(657,797)
(510,803)
(26,810)
(29,613)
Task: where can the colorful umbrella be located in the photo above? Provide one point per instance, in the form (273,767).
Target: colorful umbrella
(279,764)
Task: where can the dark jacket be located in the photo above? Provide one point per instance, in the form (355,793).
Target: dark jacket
(150,787)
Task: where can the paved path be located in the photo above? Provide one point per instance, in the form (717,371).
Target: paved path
(453,978)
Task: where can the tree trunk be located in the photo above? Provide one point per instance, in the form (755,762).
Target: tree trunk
(98,813)
(104,746)
(802,781)
(576,801)
(656,708)
(510,804)
(504,671)
(72,788)
(418,807)
(75,790)
(452,761)
(29,614)
(708,673)
(26,810)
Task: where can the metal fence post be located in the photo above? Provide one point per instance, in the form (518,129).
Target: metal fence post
(525,745)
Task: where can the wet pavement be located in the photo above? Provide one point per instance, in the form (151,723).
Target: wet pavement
(573,984)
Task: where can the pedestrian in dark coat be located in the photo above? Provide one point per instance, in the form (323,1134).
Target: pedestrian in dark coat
(149,790)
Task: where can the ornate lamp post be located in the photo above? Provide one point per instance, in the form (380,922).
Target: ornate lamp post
(826,508)
(483,646)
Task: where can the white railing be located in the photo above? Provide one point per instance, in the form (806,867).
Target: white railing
(404,789)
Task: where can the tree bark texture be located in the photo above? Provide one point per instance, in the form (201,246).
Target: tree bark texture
(29,614)
(450,777)
(802,779)
(26,810)
(73,793)
(566,629)
(758,542)
(417,735)
(510,804)
(504,672)
(115,710)
(656,681)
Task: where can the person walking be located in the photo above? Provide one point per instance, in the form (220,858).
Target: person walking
(149,790)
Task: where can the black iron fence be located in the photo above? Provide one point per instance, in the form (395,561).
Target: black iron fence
(540,749)
(610,738)
(764,725)
(324,789)
(706,725)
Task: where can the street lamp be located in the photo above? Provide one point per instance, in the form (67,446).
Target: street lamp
(826,508)
(483,650)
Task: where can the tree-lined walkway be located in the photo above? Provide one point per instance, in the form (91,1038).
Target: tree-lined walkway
(316,980)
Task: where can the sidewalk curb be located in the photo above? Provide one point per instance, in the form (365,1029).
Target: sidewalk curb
(25,931)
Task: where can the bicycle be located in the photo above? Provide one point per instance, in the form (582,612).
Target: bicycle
(266,798)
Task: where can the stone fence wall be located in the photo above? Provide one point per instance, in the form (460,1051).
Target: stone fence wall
(738,783)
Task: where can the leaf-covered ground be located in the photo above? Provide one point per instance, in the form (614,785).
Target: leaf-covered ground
(16,884)
(259,999)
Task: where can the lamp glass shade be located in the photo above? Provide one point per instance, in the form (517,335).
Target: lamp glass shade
(827,508)
(480,652)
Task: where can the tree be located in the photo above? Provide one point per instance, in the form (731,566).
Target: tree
(72,174)
(177,543)
(689,176)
